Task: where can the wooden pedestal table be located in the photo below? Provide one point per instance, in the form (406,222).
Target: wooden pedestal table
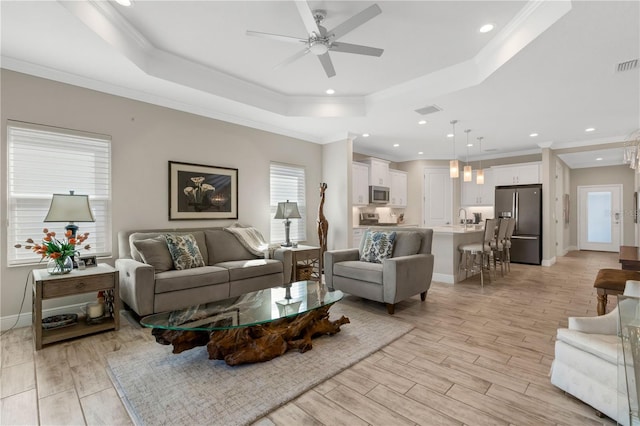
(254,327)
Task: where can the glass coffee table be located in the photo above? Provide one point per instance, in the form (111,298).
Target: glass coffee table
(252,327)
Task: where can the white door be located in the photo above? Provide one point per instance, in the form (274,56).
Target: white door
(599,217)
(437,207)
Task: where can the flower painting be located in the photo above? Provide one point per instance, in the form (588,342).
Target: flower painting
(202,192)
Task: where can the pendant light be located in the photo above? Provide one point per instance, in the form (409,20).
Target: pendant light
(480,173)
(454,169)
(467,173)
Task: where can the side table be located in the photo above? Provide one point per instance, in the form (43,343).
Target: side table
(102,277)
(309,256)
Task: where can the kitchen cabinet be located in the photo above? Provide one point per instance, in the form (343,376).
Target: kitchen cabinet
(397,188)
(378,172)
(357,235)
(360,184)
(479,195)
(517,174)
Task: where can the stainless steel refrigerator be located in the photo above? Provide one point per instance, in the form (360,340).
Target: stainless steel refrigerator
(524,203)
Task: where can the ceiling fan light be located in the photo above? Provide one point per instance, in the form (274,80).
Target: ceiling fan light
(480,177)
(318,48)
(467,174)
(454,170)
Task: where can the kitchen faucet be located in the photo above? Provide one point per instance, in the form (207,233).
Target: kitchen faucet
(465,216)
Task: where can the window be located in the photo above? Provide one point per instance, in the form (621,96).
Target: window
(288,183)
(43,161)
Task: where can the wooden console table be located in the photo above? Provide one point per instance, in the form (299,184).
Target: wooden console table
(630,258)
(309,256)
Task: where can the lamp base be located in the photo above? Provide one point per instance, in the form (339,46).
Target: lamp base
(289,244)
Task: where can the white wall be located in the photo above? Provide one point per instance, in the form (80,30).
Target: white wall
(337,207)
(144,138)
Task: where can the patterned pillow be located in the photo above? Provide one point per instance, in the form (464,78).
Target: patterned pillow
(377,246)
(184,251)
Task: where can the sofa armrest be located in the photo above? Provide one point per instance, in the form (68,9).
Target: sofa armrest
(405,276)
(286,257)
(332,257)
(603,324)
(137,285)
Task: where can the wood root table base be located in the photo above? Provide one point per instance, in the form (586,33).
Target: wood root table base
(257,343)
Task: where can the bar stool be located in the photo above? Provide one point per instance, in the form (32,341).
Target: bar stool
(477,256)
(498,246)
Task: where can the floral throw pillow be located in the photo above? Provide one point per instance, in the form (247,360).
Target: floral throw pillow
(377,246)
(184,251)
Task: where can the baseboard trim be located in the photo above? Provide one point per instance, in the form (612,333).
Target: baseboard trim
(25,319)
(549,262)
(442,278)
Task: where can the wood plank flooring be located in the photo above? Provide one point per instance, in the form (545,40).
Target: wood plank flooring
(476,357)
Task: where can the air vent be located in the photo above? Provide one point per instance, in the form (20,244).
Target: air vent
(430,109)
(627,66)
(490,150)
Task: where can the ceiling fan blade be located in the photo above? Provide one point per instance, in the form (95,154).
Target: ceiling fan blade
(356,48)
(325,60)
(290,59)
(279,37)
(355,21)
(307,17)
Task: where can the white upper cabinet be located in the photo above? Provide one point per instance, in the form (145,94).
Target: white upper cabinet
(378,172)
(517,174)
(360,182)
(397,188)
(479,195)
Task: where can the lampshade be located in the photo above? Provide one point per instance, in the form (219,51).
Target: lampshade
(287,210)
(480,177)
(69,208)
(454,170)
(467,174)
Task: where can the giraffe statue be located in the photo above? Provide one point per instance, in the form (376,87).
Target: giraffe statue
(323,224)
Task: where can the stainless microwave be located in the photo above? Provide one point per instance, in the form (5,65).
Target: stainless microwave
(378,195)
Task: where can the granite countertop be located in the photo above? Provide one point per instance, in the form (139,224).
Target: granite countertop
(457,229)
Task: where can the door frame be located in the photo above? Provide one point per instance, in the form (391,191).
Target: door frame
(581,212)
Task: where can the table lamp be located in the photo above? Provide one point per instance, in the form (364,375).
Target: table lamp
(287,210)
(70,208)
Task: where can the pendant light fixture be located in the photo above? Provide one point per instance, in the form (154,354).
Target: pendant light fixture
(467,173)
(454,169)
(480,172)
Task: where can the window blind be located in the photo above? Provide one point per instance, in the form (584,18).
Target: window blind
(288,183)
(43,161)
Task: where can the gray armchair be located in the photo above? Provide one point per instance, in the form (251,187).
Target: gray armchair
(406,273)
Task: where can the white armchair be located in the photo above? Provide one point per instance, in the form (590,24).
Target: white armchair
(587,355)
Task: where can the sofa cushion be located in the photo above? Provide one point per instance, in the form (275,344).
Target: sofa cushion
(378,246)
(199,235)
(224,246)
(406,244)
(243,269)
(250,238)
(358,270)
(191,278)
(154,252)
(603,346)
(184,251)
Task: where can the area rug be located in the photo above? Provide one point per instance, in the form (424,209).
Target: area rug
(158,387)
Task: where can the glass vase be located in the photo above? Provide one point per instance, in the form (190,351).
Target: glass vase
(62,265)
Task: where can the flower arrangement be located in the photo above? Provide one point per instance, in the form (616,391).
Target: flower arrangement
(196,195)
(57,250)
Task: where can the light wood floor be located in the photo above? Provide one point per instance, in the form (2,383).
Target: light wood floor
(475,357)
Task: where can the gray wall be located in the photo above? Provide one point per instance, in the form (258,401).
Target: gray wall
(144,138)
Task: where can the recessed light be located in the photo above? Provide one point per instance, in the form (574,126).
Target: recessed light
(589,129)
(533,135)
(395,145)
(469,144)
(422,122)
(330,91)
(365,135)
(486,28)
(125,3)
(599,159)
(449,135)
(420,153)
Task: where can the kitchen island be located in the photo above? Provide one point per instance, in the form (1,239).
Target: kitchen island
(446,240)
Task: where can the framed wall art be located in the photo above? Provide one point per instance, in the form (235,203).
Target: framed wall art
(197,191)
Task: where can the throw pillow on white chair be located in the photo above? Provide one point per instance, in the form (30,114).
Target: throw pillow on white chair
(587,354)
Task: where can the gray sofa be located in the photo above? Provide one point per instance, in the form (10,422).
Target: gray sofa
(406,273)
(230,270)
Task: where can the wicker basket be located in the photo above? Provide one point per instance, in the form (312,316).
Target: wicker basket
(304,272)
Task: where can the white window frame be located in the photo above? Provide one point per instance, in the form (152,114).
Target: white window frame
(45,160)
(287,182)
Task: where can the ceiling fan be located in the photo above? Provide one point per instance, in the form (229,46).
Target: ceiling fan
(320,41)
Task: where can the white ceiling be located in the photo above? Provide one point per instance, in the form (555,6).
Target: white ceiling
(548,67)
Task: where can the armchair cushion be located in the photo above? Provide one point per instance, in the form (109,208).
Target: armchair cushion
(377,246)
(603,346)
(154,252)
(358,270)
(184,251)
(406,244)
